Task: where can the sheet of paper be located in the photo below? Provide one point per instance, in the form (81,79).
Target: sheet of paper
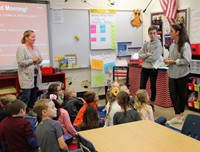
(57,16)
(97,64)
(99,79)
(110,65)
(159,62)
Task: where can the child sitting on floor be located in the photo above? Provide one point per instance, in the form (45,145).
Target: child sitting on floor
(90,98)
(64,119)
(55,89)
(72,104)
(49,132)
(123,87)
(90,119)
(112,106)
(142,105)
(15,132)
(5,100)
(127,113)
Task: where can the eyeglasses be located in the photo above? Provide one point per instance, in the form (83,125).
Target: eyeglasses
(59,90)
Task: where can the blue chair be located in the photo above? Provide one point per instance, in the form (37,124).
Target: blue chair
(85,145)
(191,126)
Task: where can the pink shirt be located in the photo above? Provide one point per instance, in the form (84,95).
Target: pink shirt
(66,124)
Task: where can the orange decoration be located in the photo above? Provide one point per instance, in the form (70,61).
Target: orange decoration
(136,21)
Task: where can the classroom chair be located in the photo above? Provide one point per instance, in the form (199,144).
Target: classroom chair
(85,145)
(191,126)
(121,72)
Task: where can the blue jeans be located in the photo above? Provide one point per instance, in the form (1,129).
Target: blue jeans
(29,96)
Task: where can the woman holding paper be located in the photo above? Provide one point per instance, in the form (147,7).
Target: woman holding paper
(150,53)
(28,60)
(178,61)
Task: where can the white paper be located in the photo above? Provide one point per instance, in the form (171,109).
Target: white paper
(60,1)
(57,15)
(158,63)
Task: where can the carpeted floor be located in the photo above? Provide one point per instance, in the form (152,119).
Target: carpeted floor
(169,113)
(166,112)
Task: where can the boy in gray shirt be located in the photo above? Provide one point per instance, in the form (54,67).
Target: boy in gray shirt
(49,132)
(150,53)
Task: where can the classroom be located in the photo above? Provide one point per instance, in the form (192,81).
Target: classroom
(125,61)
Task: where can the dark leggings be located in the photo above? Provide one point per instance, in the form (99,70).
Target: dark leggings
(177,90)
(145,74)
(29,96)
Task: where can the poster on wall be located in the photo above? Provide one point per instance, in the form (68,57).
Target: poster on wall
(100,63)
(102,29)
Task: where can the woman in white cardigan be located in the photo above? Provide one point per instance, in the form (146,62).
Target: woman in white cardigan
(29,74)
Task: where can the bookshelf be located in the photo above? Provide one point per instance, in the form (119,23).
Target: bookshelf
(10,84)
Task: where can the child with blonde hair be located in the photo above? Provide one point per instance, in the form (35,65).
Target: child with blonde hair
(72,104)
(142,105)
(5,100)
(123,87)
(49,132)
(112,106)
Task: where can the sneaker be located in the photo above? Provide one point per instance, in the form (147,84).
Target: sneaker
(152,106)
(175,121)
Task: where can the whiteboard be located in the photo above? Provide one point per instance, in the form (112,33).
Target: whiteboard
(125,32)
(76,22)
(194,26)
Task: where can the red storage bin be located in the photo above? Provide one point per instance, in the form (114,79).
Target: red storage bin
(47,70)
(190,103)
(190,86)
(196,49)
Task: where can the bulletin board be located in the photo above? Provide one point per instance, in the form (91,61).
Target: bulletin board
(77,23)
(102,29)
(194,26)
(100,61)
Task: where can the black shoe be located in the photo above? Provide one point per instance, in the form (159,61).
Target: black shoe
(153,108)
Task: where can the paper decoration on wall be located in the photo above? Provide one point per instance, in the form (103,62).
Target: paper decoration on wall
(86,84)
(111,2)
(136,21)
(69,81)
(103,29)
(98,79)
(89,2)
(97,64)
(108,65)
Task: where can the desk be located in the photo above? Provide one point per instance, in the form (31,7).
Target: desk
(140,136)
(162,86)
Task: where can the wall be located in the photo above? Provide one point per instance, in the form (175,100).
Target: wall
(122,5)
(127,5)
(119,4)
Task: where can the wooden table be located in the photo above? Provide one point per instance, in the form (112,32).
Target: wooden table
(141,136)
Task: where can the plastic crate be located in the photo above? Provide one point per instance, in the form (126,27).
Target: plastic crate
(190,86)
(197,87)
(47,70)
(195,48)
(196,105)
(190,103)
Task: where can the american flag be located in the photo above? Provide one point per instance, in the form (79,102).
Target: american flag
(169,8)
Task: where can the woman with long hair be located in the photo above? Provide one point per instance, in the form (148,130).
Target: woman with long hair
(178,61)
